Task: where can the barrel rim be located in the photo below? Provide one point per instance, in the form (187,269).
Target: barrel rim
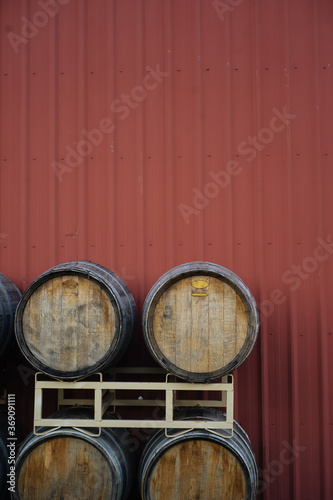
(192,269)
(76,268)
(15,287)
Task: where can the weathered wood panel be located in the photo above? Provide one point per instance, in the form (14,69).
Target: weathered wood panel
(189,324)
(198,465)
(69,323)
(197,470)
(67,464)
(66,468)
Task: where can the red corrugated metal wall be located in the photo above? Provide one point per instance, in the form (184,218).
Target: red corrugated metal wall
(142,134)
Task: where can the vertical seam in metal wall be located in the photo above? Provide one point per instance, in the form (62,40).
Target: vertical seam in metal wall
(229,152)
(242,259)
(115,134)
(279,359)
(292,298)
(314,416)
(263,327)
(82,115)
(25,166)
(274,422)
(56,135)
(169,114)
(52,149)
(199,131)
(110,156)
(230,192)
(141,154)
(324,376)
(258,223)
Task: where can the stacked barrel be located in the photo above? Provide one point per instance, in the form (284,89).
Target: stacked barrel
(200,322)
(73,320)
(9,298)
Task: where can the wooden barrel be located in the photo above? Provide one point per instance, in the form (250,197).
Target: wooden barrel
(68,464)
(200,321)
(75,319)
(9,298)
(200,464)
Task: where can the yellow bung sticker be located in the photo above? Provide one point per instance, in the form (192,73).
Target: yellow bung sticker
(200,285)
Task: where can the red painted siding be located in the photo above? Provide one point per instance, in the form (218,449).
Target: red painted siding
(142,134)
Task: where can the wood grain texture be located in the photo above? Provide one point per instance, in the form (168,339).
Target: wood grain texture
(199,329)
(69,323)
(66,468)
(197,470)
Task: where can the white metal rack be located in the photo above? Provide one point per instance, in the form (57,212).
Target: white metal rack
(105,396)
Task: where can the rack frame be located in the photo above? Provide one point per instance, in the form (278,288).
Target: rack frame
(105,396)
